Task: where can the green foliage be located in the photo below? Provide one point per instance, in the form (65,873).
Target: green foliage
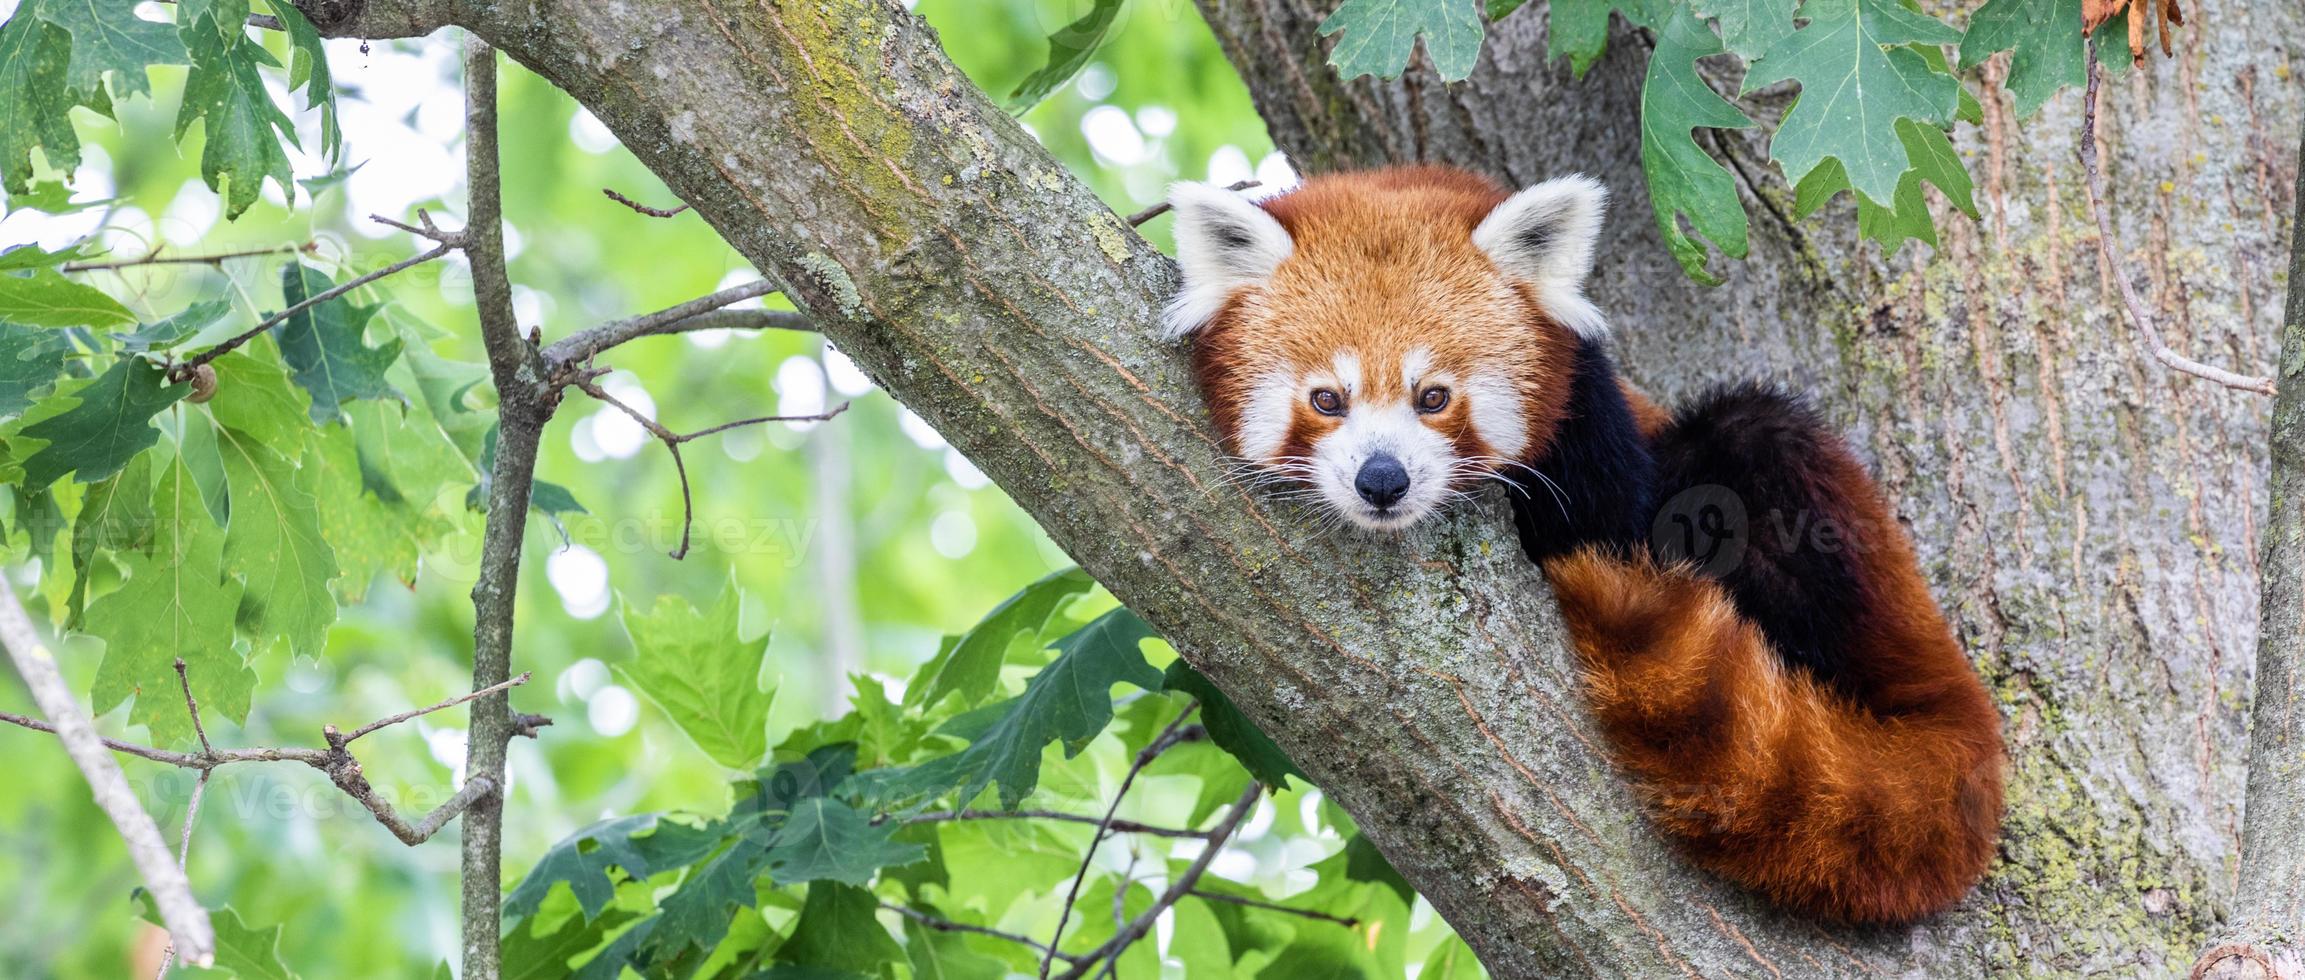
(696,669)
(243,952)
(44,298)
(34,57)
(224,90)
(1230,729)
(1378,36)
(323,345)
(1069,51)
(970,667)
(1859,75)
(1683,178)
(30,361)
(108,422)
(2049,52)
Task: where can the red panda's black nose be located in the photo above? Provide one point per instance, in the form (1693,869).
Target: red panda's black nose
(1382,481)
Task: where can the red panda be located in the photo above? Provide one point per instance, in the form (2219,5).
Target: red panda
(1796,713)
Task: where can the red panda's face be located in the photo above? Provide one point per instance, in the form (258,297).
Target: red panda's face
(1386,340)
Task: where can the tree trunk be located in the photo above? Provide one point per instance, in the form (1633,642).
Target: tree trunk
(2089,519)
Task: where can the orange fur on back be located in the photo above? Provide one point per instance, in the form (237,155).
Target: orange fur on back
(1879,812)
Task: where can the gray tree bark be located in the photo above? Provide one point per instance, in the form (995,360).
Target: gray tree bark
(2090,520)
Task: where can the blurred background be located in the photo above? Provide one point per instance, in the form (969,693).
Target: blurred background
(857,543)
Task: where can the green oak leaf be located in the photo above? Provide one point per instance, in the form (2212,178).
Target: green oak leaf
(824,839)
(110,422)
(254,396)
(1381,35)
(34,56)
(35,257)
(30,361)
(839,929)
(275,544)
(173,330)
(640,845)
(1452,960)
(2049,52)
(1683,179)
(971,666)
(108,38)
(1579,29)
(696,915)
(176,602)
(528,955)
(370,535)
(115,515)
(46,299)
(941,955)
(243,126)
(1748,27)
(242,952)
(1069,50)
(323,345)
(1858,75)
(1070,699)
(702,674)
(308,70)
(1231,730)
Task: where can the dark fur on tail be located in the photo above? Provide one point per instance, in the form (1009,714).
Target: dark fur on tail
(1768,664)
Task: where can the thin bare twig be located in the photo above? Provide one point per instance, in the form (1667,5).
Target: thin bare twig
(947,925)
(1177,890)
(642,208)
(183,371)
(1169,736)
(2148,329)
(191,807)
(336,761)
(450,703)
(188,926)
(1346,921)
(155,258)
(1138,219)
(581,347)
(672,441)
(1113,826)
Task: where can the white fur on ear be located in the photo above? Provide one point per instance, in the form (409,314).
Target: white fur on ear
(1544,236)
(1224,242)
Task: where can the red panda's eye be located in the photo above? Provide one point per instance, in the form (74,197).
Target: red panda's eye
(1433,400)
(1328,402)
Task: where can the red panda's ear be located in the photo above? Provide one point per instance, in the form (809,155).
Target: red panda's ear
(1544,236)
(1224,242)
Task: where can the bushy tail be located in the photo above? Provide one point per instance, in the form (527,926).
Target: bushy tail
(1764,773)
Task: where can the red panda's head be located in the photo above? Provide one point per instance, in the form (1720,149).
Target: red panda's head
(1387,338)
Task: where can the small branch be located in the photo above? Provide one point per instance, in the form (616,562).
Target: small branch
(642,208)
(336,760)
(1114,826)
(1177,890)
(1138,219)
(450,703)
(1253,903)
(2148,330)
(155,258)
(672,441)
(1169,736)
(192,705)
(188,926)
(947,925)
(345,772)
(582,347)
(182,372)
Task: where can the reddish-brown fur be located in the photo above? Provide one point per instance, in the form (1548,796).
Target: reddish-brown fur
(1384,262)
(1871,798)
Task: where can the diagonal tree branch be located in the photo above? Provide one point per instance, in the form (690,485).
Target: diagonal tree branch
(189,930)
